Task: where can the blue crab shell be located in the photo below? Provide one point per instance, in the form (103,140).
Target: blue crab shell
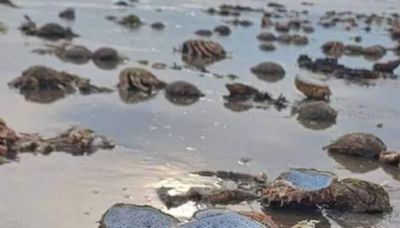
(308,179)
(221,219)
(132,216)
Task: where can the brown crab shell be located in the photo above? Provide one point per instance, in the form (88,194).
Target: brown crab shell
(139,79)
(202,52)
(239,89)
(362,196)
(358,144)
(312,89)
(333,48)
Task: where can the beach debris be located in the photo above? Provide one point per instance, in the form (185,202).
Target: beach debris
(239,187)
(331,67)
(76,141)
(51,31)
(242,96)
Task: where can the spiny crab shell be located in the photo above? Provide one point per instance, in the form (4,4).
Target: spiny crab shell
(300,188)
(313,89)
(309,188)
(128,216)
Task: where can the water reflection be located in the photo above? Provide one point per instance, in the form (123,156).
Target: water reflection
(106,64)
(271,78)
(363,165)
(350,220)
(355,164)
(198,61)
(43,97)
(182,100)
(393,171)
(74,60)
(242,104)
(133,97)
(288,218)
(316,125)
(236,106)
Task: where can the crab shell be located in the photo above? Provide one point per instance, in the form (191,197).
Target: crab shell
(139,79)
(313,89)
(239,89)
(222,219)
(334,48)
(201,52)
(361,196)
(266,22)
(127,216)
(301,188)
(358,144)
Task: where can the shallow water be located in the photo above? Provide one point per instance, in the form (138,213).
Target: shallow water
(159,142)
